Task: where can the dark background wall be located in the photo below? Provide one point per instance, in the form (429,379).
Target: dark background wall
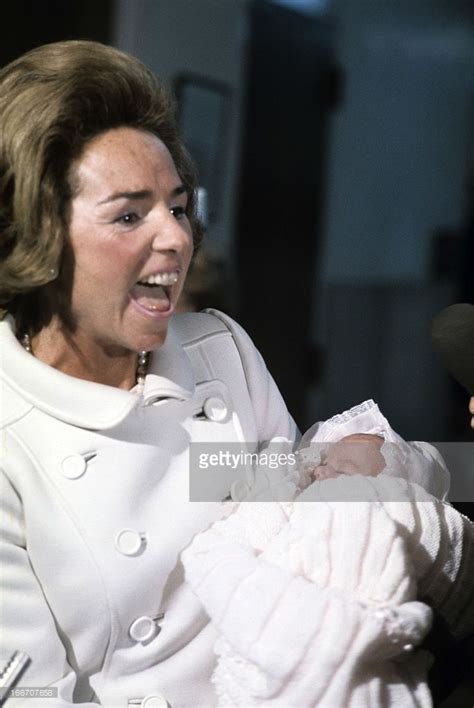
(25,24)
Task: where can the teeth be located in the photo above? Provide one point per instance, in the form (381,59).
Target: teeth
(162,279)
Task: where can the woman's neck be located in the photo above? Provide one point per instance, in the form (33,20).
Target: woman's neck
(85,359)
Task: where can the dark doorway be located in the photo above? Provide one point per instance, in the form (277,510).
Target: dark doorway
(292,86)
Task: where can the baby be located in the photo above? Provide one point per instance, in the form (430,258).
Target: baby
(358,444)
(327,604)
(359,453)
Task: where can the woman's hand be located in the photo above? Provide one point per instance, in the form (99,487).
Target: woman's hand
(471,410)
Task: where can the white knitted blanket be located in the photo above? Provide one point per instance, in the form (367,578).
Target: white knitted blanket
(325,604)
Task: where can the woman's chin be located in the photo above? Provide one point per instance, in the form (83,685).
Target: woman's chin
(147,329)
(147,342)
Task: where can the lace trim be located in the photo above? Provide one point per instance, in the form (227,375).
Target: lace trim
(352,412)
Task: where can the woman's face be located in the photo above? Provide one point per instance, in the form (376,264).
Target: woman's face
(131,240)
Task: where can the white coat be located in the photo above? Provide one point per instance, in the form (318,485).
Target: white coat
(95,512)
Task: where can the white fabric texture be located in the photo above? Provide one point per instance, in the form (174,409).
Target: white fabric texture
(302,622)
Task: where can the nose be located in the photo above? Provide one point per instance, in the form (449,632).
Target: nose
(171,234)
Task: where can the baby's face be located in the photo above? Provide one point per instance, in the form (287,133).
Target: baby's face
(354,454)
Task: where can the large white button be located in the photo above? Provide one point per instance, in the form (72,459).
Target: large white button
(143,629)
(155,701)
(129,542)
(215,409)
(73,466)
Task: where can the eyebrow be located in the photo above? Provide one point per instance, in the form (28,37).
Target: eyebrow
(140,194)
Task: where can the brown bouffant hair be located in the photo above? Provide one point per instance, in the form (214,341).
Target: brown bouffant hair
(53,100)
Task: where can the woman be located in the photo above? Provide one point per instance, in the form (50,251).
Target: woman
(97,227)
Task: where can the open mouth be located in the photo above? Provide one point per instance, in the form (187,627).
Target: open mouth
(153,293)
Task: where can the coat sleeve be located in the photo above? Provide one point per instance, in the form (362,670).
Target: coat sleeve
(26,621)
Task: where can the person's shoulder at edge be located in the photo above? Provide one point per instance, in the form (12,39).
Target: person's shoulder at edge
(191,326)
(273,418)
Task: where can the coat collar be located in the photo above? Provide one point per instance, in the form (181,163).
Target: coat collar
(84,403)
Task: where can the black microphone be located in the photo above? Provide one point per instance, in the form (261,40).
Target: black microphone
(452,333)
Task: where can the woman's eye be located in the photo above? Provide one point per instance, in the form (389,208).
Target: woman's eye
(178,212)
(128,219)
